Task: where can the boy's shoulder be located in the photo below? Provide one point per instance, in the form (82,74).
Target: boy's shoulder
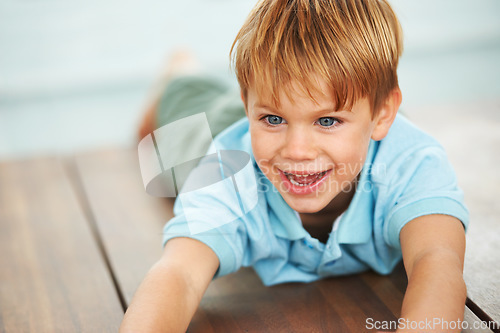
(405,136)
(405,145)
(413,177)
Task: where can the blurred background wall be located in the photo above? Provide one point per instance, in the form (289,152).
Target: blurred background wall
(76,75)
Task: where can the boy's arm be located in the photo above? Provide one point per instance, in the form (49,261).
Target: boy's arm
(433,253)
(169,295)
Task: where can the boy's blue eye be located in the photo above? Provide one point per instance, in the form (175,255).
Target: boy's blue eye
(274,120)
(327,121)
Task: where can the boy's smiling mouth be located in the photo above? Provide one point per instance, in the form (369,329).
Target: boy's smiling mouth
(303,182)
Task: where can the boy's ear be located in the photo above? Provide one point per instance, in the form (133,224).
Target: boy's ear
(386,115)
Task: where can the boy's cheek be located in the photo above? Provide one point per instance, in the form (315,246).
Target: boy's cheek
(262,143)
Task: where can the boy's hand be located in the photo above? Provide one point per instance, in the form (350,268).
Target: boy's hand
(433,253)
(172,290)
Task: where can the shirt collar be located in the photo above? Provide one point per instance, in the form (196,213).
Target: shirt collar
(287,223)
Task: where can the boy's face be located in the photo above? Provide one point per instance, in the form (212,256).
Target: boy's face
(307,150)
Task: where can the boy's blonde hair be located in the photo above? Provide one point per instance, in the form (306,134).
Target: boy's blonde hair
(353,45)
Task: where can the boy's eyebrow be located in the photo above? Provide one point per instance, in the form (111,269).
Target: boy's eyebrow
(329,110)
(263,106)
(315,112)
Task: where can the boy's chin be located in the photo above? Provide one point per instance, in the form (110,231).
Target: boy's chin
(305,205)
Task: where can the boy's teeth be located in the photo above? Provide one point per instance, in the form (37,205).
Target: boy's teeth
(300,180)
(298,184)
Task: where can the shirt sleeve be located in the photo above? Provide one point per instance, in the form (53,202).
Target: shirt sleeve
(423,184)
(212,215)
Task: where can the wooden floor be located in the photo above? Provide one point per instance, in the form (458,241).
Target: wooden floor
(78,234)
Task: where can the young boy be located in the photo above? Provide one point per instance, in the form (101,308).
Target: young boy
(343,183)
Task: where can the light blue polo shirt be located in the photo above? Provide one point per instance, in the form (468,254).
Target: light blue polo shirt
(406,175)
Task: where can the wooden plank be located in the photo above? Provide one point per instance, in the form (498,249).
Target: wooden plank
(470,134)
(129,221)
(52,276)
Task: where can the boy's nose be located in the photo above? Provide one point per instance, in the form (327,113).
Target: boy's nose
(299,146)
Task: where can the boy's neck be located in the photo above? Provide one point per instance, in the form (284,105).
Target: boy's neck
(319,224)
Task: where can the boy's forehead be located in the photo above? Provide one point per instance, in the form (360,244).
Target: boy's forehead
(293,92)
(316,103)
